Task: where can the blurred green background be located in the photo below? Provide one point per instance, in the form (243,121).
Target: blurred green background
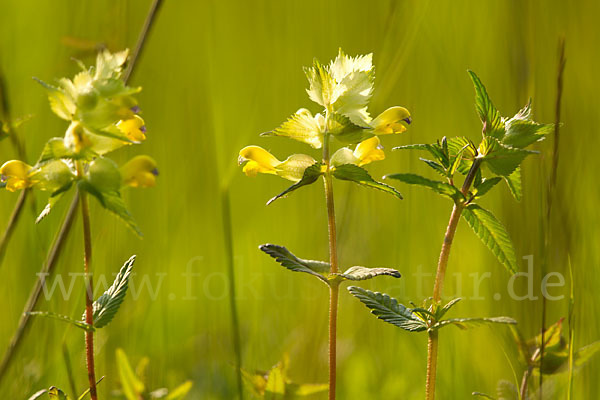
(217,73)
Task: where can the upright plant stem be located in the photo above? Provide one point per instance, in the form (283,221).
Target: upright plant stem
(333,261)
(432,344)
(228,238)
(551,191)
(87,265)
(62,234)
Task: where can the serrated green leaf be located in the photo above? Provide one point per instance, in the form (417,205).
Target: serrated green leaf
(107,305)
(60,103)
(485,396)
(493,234)
(55,149)
(132,387)
(522,133)
(301,126)
(485,185)
(435,166)
(356,174)
(388,309)
(441,188)
(321,85)
(112,201)
(508,391)
(441,311)
(52,200)
(63,318)
(502,159)
(310,176)
(489,115)
(359,273)
(346,131)
(353,94)
(513,181)
(465,323)
(180,391)
(288,260)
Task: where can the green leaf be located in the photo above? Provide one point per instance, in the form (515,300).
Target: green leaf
(441,311)
(112,201)
(63,318)
(310,176)
(61,103)
(132,387)
(180,391)
(522,133)
(321,85)
(301,126)
(55,149)
(489,115)
(502,159)
(465,323)
(356,174)
(514,183)
(346,131)
(354,92)
(288,260)
(436,166)
(388,309)
(492,234)
(52,200)
(486,185)
(441,188)
(359,273)
(107,305)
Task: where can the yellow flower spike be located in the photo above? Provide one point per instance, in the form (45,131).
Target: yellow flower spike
(368,151)
(139,172)
(16,174)
(133,128)
(393,120)
(258,160)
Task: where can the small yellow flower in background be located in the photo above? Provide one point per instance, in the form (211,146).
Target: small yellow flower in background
(367,151)
(133,128)
(258,160)
(393,120)
(140,172)
(16,174)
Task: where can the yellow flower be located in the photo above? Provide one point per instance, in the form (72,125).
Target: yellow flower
(140,171)
(17,175)
(367,151)
(133,128)
(393,120)
(258,160)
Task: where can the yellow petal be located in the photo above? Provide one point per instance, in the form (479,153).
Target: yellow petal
(16,174)
(133,128)
(293,167)
(393,120)
(258,161)
(368,151)
(140,172)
